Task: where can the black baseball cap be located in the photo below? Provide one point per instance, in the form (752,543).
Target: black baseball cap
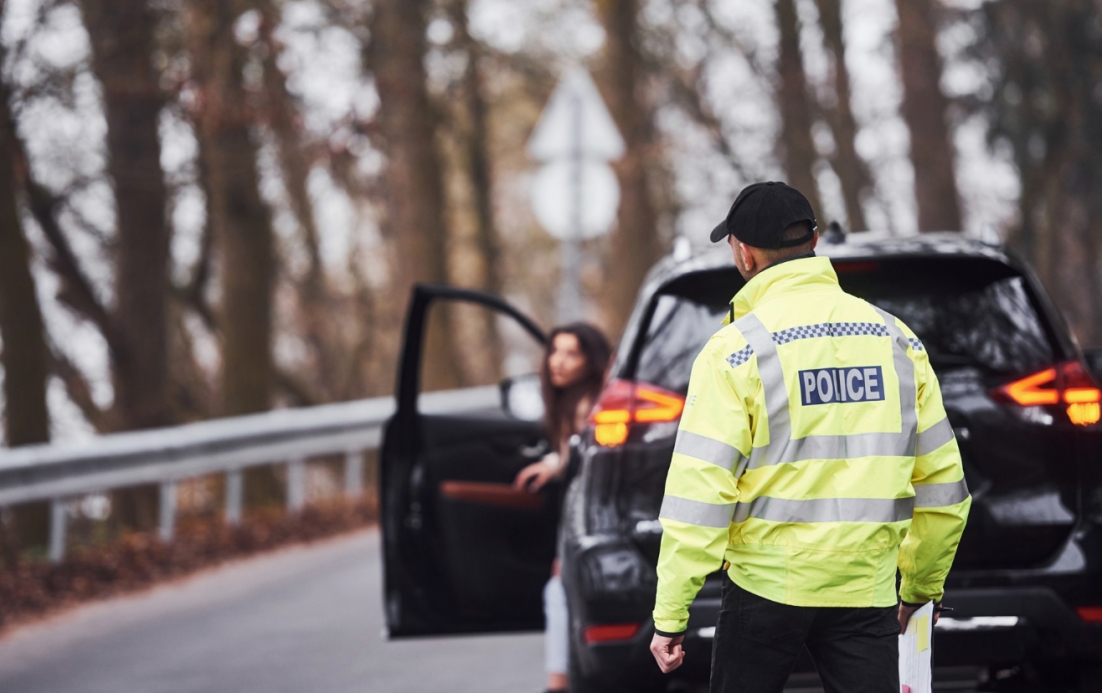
(762,212)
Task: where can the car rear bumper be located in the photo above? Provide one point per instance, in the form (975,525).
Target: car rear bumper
(989,627)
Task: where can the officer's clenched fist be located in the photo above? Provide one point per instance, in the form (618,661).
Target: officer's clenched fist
(667,652)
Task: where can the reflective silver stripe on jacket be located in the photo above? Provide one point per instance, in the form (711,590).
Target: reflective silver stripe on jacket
(782,448)
(707,449)
(905,374)
(696,512)
(826,510)
(835,447)
(940,495)
(776,395)
(934,437)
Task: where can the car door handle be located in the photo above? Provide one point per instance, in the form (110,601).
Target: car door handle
(535,452)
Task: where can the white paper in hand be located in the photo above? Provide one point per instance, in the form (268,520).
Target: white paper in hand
(915,652)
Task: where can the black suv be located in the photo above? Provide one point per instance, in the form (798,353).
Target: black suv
(466,553)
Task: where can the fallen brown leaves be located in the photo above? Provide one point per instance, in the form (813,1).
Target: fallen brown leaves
(32,589)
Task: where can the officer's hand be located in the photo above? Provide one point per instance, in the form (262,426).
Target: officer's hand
(667,652)
(905,613)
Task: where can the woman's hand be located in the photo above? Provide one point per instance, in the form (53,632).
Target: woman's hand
(534,476)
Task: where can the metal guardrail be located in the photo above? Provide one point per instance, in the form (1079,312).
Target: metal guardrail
(166,456)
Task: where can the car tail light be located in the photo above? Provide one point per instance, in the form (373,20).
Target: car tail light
(1090,614)
(1066,385)
(625,402)
(610,633)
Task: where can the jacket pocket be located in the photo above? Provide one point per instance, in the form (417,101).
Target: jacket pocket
(876,621)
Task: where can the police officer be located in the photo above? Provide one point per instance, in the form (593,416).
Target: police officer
(813,460)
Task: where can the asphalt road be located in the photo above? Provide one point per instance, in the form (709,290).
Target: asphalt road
(303,620)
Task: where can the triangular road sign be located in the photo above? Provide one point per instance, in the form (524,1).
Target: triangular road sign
(576,116)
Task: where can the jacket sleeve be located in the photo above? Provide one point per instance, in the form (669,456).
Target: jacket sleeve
(701,488)
(942,500)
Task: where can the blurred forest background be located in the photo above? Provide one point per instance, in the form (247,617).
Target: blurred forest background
(215,207)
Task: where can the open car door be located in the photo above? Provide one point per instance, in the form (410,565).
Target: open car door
(464,552)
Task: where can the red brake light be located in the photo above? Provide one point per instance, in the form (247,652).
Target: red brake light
(610,633)
(625,402)
(1066,383)
(1090,614)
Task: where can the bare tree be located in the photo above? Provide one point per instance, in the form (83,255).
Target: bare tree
(851,169)
(24,356)
(480,169)
(414,190)
(799,154)
(925,109)
(282,115)
(240,220)
(122,59)
(1045,106)
(122,40)
(635,243)
(26,418)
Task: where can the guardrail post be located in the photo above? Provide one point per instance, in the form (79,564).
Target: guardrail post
(296,484)
(167,510)
(235,492)
(58,519)
(354,473)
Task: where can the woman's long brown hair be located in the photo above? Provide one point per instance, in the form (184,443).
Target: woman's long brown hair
(561,404)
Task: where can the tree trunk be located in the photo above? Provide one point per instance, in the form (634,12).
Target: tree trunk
(851,169)
(24,357)
(480,173)
(122,39)
(795,108)
(26,418)
(925,110)
(635,245)
(414,189)
(1073,173)
(285,122)
(240,220)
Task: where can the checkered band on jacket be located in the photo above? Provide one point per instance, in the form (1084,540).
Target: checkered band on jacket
(825,329)
(741,356)
(830,329)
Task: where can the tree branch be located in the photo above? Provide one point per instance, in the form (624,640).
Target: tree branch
(78,389)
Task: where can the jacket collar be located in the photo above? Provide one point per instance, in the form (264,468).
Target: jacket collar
(804,274)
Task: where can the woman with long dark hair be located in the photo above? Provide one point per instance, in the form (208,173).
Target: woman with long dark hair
(571,375)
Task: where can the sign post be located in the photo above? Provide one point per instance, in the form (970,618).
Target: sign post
(575,193)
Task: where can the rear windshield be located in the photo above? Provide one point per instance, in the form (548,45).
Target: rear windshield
(968,312)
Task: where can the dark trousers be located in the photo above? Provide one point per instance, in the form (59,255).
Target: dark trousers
(758,641)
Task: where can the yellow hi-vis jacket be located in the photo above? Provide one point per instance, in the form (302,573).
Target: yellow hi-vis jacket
(813,455)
